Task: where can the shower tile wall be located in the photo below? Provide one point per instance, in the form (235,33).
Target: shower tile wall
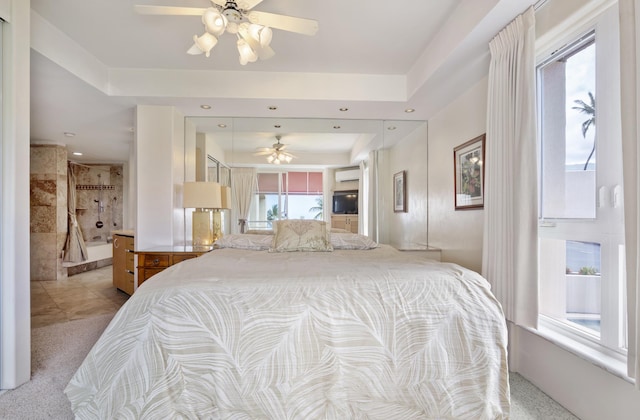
(48,191)
(109,176)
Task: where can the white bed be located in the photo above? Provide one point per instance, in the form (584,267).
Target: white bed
(347,334)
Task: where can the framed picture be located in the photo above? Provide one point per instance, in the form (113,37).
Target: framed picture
(468,164)
(399,192)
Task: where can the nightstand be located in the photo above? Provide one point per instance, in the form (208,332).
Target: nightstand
(154,260)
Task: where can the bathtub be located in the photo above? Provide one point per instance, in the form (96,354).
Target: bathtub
(96,251)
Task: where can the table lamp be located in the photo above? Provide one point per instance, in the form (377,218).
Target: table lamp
(204,197)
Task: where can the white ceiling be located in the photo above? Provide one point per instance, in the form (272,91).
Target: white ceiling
(93,61)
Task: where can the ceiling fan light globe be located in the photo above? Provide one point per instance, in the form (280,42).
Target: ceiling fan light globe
(270,159)
(246,53)
(194,50)
(288,159)
(214,22)
(266,34)
(205,42)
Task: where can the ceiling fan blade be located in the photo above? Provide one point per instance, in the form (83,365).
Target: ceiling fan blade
(247,4)
(286,23)
(168,10)
(221,3)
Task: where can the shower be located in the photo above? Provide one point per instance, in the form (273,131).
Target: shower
(99,223)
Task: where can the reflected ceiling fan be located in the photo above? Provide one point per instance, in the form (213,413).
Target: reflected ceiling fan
(276,154)
(252,27)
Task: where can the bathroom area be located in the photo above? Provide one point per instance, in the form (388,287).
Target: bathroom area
(98,190)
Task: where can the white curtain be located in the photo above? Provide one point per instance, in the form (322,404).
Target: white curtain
(630,117)
(243,185)
(75,249)
(509,259)
(373,195)
(363,199)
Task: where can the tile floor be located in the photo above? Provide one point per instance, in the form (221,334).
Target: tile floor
(79,296)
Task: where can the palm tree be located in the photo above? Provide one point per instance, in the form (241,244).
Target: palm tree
(272,213)
(319,208)
(590,111)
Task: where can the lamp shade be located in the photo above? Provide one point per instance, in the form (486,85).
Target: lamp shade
(202,195)
(226,197)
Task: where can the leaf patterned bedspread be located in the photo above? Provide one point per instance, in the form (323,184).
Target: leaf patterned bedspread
(237,334)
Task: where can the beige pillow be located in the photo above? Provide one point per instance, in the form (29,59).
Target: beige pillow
(351,241)
(300,235)
(245,241)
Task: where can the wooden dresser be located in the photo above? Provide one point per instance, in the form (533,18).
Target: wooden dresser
(123,264)
(154,260)
(348,222)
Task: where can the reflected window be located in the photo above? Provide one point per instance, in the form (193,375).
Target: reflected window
(286,195)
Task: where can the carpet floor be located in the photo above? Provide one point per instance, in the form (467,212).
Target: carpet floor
(58,350)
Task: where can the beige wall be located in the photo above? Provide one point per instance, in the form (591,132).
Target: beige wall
(408,230)
(457,233)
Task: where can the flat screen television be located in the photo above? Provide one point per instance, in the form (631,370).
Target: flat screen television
(345,202)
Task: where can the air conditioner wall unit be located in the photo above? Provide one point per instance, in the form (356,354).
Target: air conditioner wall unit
(347,175)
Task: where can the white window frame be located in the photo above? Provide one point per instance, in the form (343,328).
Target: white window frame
(608,350)
(283,196)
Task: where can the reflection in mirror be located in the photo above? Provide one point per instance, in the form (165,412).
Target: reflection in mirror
(300,163)
(217,171)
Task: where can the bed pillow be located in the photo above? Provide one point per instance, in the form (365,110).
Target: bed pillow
(341,240)
(260,232)
(300,235)
(245,241)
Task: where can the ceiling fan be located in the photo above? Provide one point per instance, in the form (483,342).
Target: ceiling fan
(252,27)
(276,154)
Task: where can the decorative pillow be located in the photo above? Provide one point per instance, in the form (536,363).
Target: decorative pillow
(352,241)
(245,241)
(300,235)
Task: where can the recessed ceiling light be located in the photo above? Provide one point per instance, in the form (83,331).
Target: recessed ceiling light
(391,127)
(409,110)
(336,127)
(273,108)
(344,109)
(69,134)
(77,153)
(277,126)
(205,106)
(222,125)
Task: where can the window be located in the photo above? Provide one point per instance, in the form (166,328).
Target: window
(581,231)
(286,195)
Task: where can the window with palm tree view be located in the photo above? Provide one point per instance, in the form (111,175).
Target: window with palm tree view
(286,195)
(581,231)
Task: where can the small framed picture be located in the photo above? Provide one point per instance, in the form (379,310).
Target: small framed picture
(468,164)
(399,192)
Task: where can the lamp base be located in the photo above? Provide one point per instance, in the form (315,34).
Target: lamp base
(217,225)
(202,230)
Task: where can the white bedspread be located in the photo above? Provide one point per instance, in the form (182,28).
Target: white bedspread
(255,335)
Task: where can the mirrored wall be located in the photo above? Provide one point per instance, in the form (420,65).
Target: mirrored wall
(297,145)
